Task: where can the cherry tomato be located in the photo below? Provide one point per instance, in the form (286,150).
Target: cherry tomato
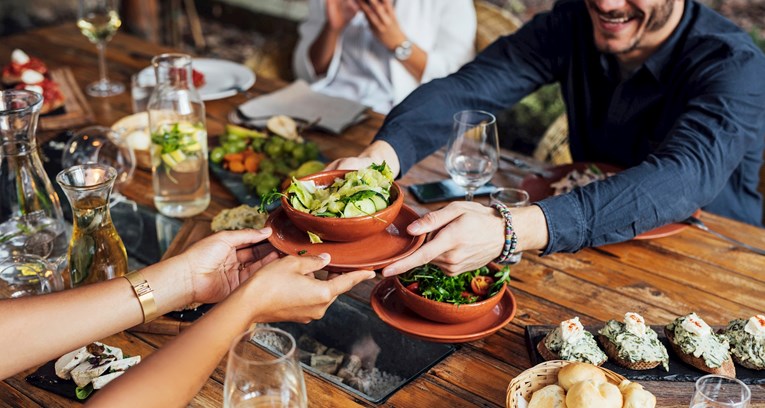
(414,287)
(481,284)
(467,295)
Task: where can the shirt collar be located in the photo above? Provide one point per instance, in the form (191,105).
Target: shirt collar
(660,59)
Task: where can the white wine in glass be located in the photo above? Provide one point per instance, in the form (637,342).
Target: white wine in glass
(99,20)
(472,154)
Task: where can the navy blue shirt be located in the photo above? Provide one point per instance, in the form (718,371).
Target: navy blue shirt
(688,126)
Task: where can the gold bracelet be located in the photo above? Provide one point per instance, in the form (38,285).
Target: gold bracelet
(145,295)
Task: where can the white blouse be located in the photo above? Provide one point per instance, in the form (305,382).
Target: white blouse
(362,69)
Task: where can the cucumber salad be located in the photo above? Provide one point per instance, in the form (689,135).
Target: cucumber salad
(359,193)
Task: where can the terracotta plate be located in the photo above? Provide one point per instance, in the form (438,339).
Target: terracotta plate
(374,252)
(385,302)
(539,188)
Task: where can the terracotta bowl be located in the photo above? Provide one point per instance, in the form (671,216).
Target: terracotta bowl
(447,312)
(344,229)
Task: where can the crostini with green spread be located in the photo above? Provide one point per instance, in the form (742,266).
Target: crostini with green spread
(697,345)
(632,344)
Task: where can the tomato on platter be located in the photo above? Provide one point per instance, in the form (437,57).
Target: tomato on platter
(481,284)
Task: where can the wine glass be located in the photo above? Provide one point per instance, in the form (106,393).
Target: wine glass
(99,20)
(719,391)
(473,150)
(100,144)
(263,371)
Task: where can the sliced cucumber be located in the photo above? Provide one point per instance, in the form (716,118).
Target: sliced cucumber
(336,207)
(379,202)
(173,158)
(359,208)
(296,204)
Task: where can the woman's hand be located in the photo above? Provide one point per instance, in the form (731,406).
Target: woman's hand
(467,236)
(340,13)
(219,263)
(383,22)
(287,290)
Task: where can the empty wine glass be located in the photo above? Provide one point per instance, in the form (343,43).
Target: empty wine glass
(263,371)
(473,150)
(100,144)
(98,20)
(719,391)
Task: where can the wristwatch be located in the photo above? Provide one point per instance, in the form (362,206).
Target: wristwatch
(403,51)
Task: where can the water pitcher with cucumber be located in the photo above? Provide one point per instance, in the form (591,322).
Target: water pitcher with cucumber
(178,139)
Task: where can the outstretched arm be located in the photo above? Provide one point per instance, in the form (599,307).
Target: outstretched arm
(284,290)
(54,324)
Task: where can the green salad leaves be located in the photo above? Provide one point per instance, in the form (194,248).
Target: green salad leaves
(430,282)
(358,193)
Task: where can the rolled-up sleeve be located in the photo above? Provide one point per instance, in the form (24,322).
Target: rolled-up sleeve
(722,121)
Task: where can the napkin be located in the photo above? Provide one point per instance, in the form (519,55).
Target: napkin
(300,102)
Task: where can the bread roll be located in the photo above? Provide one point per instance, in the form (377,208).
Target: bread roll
(589,394)
(635,396)
(551,396)
(576,372)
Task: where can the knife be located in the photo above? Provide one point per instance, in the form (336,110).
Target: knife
(523,165)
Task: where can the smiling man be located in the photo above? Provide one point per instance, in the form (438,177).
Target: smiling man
(669,90)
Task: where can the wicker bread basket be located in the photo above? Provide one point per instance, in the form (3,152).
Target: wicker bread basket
(541,375)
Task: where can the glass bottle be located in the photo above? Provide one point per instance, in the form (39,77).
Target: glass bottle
(96,252)
(31,221)
(179,139)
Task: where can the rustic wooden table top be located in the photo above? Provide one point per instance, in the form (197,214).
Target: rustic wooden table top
(661,278)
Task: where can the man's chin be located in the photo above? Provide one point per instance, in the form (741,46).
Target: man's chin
(615,47)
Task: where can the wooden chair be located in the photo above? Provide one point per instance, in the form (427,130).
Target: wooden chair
(493,22)
(553,147)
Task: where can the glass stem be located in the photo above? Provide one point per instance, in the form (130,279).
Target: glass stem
(469,194)
(101,46)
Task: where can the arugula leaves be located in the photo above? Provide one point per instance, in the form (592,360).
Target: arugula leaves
(435,285)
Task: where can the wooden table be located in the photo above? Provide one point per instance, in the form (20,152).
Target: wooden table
(660,278)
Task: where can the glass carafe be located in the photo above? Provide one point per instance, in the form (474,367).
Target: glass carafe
(31,221)
(179,139)
(96,252)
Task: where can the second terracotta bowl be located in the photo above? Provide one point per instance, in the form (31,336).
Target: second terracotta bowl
(344,229)
(444,312)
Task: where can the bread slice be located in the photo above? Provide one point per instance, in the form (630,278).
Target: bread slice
(548,354)
(746,364)
(613,354)
(727,368)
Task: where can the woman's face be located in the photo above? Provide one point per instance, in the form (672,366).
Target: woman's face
(633,26)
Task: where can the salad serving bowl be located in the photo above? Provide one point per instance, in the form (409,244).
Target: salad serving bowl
(343,229)
(444,312)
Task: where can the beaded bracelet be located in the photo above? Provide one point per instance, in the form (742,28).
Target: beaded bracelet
(511,239)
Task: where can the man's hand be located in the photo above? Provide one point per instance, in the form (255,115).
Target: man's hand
(467,236)
(378,152)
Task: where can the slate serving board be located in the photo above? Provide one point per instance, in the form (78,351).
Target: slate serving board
(678,370)
(45,377)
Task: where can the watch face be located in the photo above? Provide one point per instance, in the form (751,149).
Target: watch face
(403,51)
